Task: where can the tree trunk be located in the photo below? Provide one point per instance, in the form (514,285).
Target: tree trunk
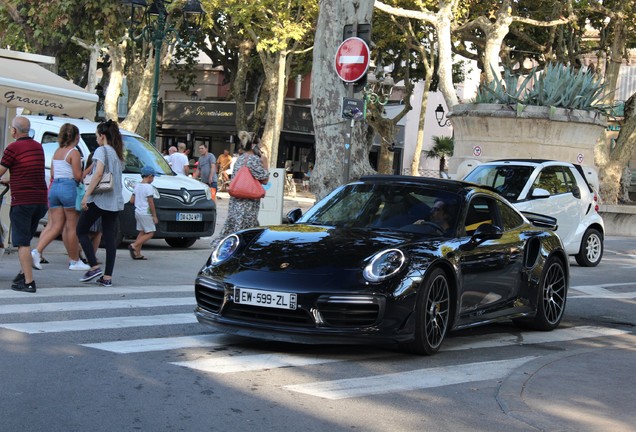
(615,61)
(118,62)
(240,82)
(611,162)
(419,143)
(94,50)
(139,108)
(327,92)
(445,51)
(275,81)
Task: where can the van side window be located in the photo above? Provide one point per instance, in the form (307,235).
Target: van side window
(49,137)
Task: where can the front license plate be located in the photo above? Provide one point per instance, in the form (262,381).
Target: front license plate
(189,217)
(265,298)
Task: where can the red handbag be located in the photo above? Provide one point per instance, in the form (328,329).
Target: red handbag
(245,186)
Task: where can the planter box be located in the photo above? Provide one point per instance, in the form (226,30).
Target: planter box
(620,220)
(485,132)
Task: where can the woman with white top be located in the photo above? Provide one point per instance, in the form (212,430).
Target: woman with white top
(66,172)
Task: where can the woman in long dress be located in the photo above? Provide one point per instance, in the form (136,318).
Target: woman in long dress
(243,213)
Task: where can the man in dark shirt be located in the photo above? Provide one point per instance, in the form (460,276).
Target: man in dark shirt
(24,158)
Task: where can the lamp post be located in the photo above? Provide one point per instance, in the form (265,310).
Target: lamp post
(152,20)
(439,116)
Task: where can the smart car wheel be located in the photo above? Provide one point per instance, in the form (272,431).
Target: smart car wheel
(552,297)
(433,310)
(591,250)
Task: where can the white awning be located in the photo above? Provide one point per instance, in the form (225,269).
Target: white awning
(27,85)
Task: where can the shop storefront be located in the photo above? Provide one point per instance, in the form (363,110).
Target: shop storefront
(213,123)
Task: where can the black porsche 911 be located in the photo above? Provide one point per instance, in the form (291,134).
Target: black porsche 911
(389,260)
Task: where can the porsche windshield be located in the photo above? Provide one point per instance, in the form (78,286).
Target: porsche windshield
(384,206)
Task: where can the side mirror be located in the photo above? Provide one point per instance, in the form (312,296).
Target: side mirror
(482,233)
(487,232)
(540,193)
(294,215)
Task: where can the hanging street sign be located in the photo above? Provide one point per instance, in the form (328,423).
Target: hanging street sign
(352,109)
(352,59)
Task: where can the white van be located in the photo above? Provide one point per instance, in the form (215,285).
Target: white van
(185,208)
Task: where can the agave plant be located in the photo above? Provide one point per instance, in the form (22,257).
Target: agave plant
(556,86)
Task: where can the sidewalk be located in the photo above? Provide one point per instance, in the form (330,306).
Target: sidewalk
(584,390)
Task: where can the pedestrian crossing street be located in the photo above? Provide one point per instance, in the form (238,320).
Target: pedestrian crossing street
(27,314)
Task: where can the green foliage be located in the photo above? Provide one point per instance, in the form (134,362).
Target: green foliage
(182,67)
(555,86)
(443,147)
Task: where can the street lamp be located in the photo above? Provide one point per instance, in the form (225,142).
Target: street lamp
(439,116)
(152,17)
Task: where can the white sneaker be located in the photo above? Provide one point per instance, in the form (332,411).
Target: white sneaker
(78,265)
(36,259)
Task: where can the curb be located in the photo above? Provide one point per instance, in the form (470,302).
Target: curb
(510,396)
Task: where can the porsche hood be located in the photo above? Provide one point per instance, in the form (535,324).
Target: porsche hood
(318,250)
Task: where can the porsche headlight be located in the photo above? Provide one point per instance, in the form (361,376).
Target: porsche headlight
(384,264)
(225,249)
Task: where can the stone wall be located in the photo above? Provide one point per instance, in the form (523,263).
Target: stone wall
(620,220)
(485,132)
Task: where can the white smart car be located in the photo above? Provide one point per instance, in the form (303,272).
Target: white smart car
(553,188)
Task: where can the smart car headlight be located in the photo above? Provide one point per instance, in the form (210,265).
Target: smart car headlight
(225,249)
(384,264)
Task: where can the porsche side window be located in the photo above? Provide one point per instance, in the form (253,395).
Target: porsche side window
(480,211)
(510,219)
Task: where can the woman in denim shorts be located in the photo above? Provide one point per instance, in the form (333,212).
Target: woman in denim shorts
(66,172)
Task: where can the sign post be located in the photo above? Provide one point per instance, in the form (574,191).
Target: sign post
(351,64)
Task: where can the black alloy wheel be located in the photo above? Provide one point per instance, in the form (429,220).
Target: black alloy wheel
(432,314)
(552,298)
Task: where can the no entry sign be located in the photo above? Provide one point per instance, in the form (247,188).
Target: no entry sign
(352,59)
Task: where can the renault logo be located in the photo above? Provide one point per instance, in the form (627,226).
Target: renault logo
(186,195)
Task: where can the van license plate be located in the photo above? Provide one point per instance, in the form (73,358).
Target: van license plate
(272,299)
(189,217)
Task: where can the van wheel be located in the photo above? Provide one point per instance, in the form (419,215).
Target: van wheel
(591,250)
(181,242)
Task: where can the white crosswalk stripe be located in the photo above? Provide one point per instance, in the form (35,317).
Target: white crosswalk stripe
(101,323)
(94,290)
(411,380)
(97,305)
(221,363)
(528,338)
(246,363)
(161,344)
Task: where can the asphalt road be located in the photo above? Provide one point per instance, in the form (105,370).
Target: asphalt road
(77,357)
